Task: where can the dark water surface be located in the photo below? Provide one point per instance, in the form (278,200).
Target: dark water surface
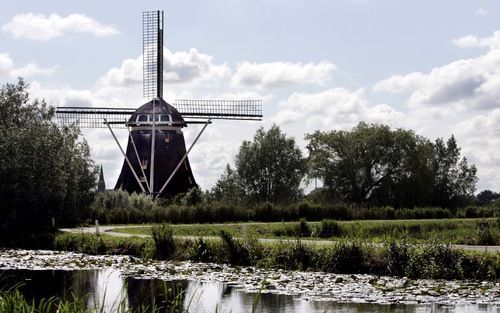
(106,288)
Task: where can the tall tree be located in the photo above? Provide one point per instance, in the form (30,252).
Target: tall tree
(270,167)
(454,180)
(358,164)
(46,171)
(228,188)
(376,165)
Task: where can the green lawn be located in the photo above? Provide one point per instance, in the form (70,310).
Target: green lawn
(457,231)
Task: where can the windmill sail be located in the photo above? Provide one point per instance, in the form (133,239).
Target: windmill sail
(152,50)
(191,110)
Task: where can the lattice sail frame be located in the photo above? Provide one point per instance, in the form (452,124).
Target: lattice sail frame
(89,117)
(152,51)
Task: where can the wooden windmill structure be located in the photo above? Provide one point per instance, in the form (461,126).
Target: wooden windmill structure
(156,160)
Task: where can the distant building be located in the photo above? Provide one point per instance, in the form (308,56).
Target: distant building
(101,185)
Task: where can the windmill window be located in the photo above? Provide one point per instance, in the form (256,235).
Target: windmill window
(142,118)
(144,163)
(142,179)
(166,118)
(167,137)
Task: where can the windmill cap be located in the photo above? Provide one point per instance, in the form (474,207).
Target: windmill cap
(160,107)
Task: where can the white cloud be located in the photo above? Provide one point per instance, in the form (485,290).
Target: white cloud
(281,74)
(8,68)
(334,108)
(464,84)
(180,67)
(473,41)
(42,27)
(400,83)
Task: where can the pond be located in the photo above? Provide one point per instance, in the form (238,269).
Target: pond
(108,289)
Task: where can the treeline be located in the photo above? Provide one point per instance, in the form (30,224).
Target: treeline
(118,207)
(370,165)
(45,171)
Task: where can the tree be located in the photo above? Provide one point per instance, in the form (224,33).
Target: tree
(270,167)
(362,164)
(486,196)
(375,165)
(228,188)
(454,180)
(45,170)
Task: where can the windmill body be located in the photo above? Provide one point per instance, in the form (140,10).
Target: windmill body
(156,159)
(169,150)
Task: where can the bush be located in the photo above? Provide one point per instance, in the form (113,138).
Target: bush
(397,258)
(304,229)
(163,237)
(201,252)
(344,257)
(486,234)
(329,228)
(292,256)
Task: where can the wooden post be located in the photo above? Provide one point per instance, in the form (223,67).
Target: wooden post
(96,227)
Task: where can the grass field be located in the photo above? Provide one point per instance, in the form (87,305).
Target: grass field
(457,231)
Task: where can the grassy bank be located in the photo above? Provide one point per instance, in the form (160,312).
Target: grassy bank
(456,231)
(392,258)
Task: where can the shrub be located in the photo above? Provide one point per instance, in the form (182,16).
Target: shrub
(329,228)
(304,229)
(201,252)
(292,256)
(163,237)
(486,233)
(344,257)
(397,258)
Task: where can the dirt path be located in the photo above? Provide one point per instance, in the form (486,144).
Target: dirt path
(109,231)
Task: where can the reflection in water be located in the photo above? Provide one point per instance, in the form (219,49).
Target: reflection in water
(106,291)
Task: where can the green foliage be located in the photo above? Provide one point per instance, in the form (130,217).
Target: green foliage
(293,255)
(201,252)
(329,228)
(304,229)
(344,257)
(46,170)
(228,188)
(270,167)
(372,164)
(92,244)
(488,233)
(486,197)
(163,237)
(454,180)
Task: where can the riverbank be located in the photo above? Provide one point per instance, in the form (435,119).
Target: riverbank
(434,261)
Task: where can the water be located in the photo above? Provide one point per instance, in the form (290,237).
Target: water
(108,289)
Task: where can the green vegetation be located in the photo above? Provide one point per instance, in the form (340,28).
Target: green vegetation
(456,231)
(374,165)
(46,172)
(118,207)
(391,258)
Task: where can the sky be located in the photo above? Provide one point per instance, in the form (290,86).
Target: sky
(429,66)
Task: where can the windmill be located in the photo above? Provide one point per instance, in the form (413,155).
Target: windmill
(155,159)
